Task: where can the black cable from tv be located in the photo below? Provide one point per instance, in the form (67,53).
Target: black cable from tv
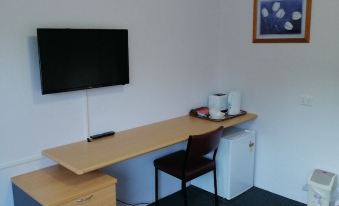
(136,204)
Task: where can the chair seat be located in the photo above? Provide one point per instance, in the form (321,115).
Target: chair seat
(173,165)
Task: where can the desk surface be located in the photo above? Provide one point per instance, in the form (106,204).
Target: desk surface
(82,157)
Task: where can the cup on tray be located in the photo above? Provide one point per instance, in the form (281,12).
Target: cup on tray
(216,113)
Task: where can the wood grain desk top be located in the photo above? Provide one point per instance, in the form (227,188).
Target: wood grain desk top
(82,157)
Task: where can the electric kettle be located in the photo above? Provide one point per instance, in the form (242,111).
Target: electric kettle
(234,102)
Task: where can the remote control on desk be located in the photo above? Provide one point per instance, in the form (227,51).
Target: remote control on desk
(98,136)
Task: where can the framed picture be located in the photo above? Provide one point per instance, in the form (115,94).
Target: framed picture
(281,21)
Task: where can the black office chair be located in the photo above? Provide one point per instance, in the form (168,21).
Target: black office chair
(190,164)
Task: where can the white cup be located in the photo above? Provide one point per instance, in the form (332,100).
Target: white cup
(234,102)
(216,113)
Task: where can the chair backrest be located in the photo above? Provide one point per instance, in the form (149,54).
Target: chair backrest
(200,145)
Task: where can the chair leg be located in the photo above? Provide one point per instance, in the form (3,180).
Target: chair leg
(184,191)
(215,187)
(156,187)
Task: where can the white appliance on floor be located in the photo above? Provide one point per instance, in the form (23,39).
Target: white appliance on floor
(235,164)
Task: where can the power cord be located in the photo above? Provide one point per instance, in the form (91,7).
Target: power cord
(137,204)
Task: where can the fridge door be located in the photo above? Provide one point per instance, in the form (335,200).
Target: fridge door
(241,165)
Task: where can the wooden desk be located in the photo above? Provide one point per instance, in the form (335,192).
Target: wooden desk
(82,157)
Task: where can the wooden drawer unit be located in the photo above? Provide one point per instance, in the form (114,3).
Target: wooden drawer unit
(57,186)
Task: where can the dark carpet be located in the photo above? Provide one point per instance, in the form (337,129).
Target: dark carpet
(253,197)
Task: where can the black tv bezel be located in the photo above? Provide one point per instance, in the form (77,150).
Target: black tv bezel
(44,91)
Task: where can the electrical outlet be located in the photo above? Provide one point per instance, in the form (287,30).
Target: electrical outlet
(306,100)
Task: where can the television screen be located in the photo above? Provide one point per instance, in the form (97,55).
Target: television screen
(73,59)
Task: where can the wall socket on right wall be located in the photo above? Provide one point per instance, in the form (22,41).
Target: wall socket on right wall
(306,100)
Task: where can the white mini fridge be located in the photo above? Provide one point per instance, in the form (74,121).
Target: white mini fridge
(235,164)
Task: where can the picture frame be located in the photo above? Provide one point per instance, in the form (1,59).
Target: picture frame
(282,21)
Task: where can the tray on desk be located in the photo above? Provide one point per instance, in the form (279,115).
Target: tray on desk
(194,113)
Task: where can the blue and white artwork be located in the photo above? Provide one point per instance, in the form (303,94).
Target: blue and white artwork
(283,17)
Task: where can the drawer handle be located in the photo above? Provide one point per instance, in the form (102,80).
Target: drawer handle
(81,200)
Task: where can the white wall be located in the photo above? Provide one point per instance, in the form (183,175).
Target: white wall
(172,69)
(173,55)
(292,139)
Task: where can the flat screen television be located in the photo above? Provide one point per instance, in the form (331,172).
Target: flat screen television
(74,59)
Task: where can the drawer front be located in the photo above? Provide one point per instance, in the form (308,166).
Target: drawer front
(103,197)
